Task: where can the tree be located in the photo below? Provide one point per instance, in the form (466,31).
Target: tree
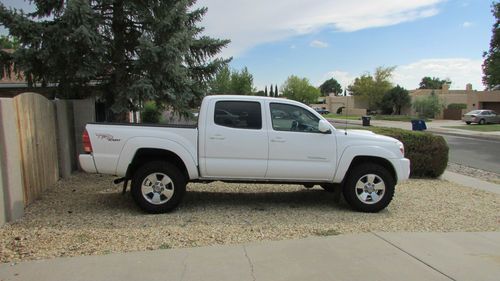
(330,86)
(372,88)
(265,90)
(394,100)
(232,82)
(9,42)
(221,83)
(271,93)
(129,50)
(491,64)
(433,83)
(300,89)
(428,106)
(276,93)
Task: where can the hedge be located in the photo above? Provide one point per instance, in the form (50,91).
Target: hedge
(428,153)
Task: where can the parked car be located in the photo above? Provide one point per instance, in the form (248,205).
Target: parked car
(482,116)
(246,139)
(321,111)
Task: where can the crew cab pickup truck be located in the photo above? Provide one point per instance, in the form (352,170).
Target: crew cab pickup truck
(247,139)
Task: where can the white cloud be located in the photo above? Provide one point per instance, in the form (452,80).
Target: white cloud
(250,23)
(467,24)
(318,44)
(344,78)
(459,70)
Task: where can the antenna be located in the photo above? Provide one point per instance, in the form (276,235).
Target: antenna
(346,107)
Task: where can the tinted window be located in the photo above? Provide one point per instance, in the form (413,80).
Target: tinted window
(287,117)
(238,114)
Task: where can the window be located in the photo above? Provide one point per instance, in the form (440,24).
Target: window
(287,117)
(238,114)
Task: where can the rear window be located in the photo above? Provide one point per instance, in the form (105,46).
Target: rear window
(238,114)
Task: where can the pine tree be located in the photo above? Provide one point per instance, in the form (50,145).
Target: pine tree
(271,94)
(265,90)
(491,64)
(276,90)
(129,50)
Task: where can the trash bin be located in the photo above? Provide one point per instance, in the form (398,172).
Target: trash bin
(366,120)
(418,125)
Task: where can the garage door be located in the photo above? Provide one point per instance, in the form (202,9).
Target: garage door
(491,105)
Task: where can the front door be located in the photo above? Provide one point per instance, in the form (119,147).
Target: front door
(297,150)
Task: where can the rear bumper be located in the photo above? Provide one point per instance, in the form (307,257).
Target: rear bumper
(87,163)
(403,172)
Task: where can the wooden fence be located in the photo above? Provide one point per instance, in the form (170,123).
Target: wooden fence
(38,144)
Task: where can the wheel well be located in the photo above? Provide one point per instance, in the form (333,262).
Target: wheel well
(376,160)
(144,155)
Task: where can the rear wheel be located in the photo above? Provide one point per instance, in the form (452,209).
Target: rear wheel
(369,188)
(467,122)
(158,187)
(482,122)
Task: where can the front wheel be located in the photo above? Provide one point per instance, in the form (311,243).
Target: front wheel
(482,122)
(158,187)
(467,122)
(369,188)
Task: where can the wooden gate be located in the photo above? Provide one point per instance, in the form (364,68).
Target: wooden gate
(38,142)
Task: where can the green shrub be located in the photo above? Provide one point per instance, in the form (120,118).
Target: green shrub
(457,106)
(428,153)
(150,113)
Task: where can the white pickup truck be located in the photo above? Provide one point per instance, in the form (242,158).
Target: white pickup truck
(247,139)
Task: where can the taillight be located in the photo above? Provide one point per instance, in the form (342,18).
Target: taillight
(87,147)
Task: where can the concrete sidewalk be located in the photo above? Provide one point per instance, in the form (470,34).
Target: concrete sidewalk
(370,256)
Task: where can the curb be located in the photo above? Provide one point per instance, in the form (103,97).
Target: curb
(457,134)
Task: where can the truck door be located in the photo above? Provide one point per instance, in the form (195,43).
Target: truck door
(297,149)
(236,142)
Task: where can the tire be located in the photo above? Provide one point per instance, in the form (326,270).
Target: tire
(356,188)
(482,122)
(467,122)
(158,187)
(329,187)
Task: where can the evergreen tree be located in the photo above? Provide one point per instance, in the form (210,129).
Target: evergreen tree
(130,50)
(330,86)
(271,94)
(276,90)
(491,64)
(265,90)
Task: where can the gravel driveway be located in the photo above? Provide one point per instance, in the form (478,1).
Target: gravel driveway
(87,215)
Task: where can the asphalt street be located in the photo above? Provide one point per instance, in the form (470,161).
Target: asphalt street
(476,153)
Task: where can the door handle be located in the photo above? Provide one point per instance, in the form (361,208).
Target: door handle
(217,137)
(278,140)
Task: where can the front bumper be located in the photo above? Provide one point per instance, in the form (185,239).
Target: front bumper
(87,163)
(403,166)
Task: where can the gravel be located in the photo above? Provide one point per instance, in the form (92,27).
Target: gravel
(473,172)
(87,215)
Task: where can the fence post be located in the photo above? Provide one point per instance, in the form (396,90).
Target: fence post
(12,179)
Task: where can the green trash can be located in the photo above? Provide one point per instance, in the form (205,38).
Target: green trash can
(366,120)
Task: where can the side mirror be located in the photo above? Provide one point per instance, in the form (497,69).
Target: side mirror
(324,127)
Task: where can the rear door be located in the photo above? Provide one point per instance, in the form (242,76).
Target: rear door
(236,142)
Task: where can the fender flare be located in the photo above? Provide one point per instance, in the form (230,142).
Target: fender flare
(134,144)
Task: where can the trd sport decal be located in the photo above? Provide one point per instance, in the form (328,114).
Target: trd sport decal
(107,137)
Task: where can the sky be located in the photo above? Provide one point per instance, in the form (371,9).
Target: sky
(343,39)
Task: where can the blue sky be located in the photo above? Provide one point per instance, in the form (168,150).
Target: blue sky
(320,39)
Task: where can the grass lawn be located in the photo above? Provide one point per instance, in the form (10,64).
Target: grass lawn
(403,118)
(478,128)
(340,116)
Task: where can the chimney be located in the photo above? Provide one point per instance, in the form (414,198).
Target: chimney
(468,87)
(446,88)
